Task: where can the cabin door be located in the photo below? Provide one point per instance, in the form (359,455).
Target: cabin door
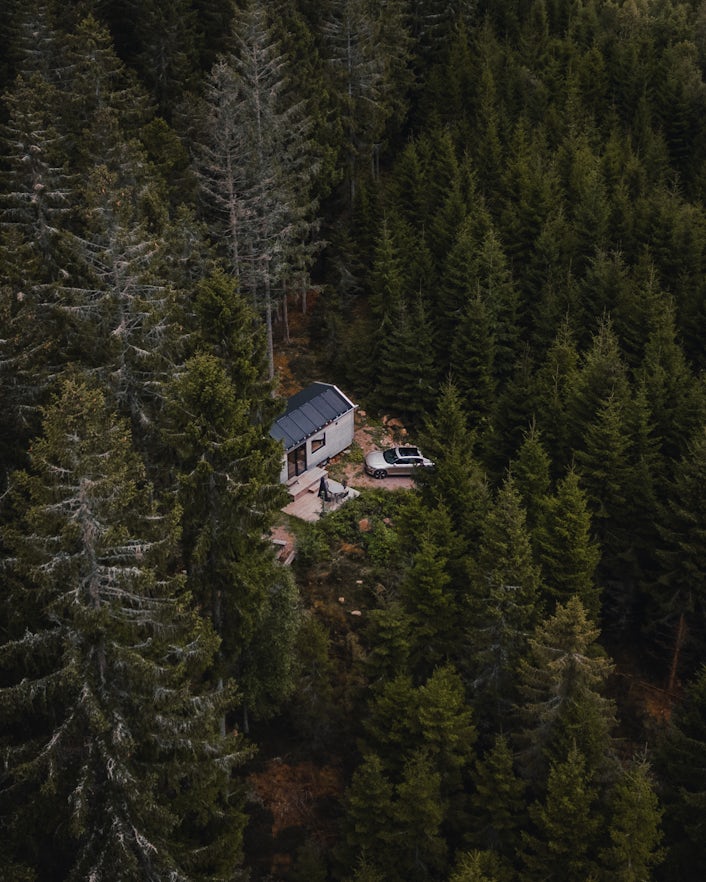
(296,461)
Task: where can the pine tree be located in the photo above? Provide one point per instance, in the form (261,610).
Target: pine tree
(531,471)
(457,482)
(680,762)
(634,826)
(226,474)
(367,49)
(497,803)
(106,729)
(568,825)
(504,606)
(562,682)
(257,163)
(678,595)
(567,552)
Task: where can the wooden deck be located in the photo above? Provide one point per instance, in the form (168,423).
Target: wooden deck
(306,503)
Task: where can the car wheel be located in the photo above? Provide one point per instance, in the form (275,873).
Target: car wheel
(379,473)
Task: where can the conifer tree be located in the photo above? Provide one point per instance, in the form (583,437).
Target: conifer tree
(407,373)
(602,374)
(36,196)
(472,353)
(562,683)
(531,471)
(430,601)
(457,482)
(556,377)
(458,280)
(113,752)
(368,820)
(497,804)
(367,49)
(504,606)
(677,400)
(678,596)
(634,826)
(121,298)
(681,763)
(567,552)
(256,164)
(568,826)
(418,813)
(166,50)
(479,866)
(226,473)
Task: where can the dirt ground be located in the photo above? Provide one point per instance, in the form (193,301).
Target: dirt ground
(369,437)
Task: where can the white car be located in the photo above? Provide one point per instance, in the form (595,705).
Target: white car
(395,461)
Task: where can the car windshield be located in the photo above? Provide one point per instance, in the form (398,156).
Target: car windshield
(390,456)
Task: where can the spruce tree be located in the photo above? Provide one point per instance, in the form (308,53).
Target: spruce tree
(556,377)
(367,49)
(227,485)
(531,471)
(568,825)
(497,803)
(567,552)
(680,763)
(458,481)
(113,754)
(634,826)
(504,606)
(562,682)
(677,598)
(256,163)
(472,351)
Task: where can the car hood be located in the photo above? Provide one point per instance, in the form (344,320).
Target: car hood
(375,460)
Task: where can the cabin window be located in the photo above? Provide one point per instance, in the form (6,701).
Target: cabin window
(318,443)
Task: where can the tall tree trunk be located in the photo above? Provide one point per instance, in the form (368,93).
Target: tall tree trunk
(678,644)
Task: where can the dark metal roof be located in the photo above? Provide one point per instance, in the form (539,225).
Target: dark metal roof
(308,412)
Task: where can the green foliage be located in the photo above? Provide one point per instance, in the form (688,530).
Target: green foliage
(567,825)
(678,594)
(539,167)
(102,689)
(565,548)
(562,684)
(634,826)
(497,803)
(681,765)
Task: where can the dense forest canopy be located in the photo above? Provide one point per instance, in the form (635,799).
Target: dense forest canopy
(491,214)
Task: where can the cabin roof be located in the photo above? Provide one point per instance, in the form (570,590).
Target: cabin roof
(308,412)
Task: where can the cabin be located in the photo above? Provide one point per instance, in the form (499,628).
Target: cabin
(319,422)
